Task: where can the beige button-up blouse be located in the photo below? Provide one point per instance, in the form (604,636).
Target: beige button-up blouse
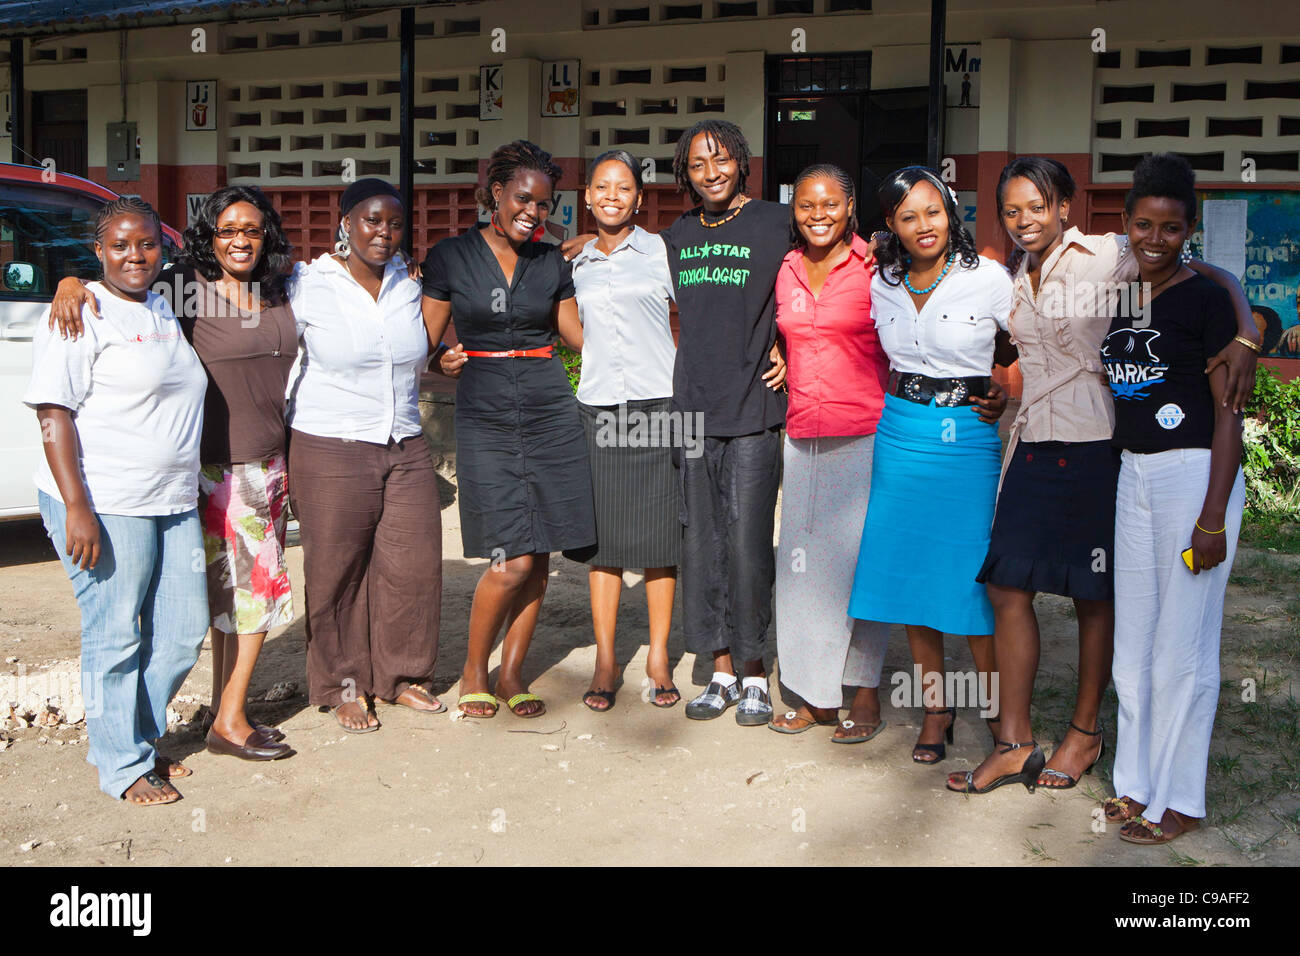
(1059,333)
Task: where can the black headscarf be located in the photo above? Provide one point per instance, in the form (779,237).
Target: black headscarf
(364,189)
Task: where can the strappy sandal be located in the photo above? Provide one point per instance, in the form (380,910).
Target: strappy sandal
(163,767)
(1072,782)
(670,689)
(808,723)
(858,738)
(159,784)
(939,750)
(1028,774)
(478,698)
(425,695)
(363,702)
(606,695)
(1118,809)
(1143,832)
(523,698)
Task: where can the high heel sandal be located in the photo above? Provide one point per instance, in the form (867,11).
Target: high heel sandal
(1028,774)
(1072,782)
(939,750)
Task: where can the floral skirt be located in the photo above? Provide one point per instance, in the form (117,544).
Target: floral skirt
(242,507)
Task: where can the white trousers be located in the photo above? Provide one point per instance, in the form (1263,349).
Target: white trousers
(1167,624)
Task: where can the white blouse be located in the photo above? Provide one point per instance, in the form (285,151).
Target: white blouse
(357,375)
(952,336)
(627,342)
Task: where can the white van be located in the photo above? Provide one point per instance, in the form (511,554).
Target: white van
(46,233)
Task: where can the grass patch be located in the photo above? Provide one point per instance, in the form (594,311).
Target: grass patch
(1257,753)
(1259,573)
(1270,532)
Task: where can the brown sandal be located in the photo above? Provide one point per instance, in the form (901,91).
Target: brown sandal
(422,694)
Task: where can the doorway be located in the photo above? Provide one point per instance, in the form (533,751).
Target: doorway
(59,129)
(821,109)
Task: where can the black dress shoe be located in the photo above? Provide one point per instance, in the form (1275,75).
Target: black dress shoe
(257,747)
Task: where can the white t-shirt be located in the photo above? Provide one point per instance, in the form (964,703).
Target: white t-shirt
(952,336)
(135,388)
(357,375)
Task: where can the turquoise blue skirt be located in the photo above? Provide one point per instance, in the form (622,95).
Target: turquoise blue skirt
(934,484)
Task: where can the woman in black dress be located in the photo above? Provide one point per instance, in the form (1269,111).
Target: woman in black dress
(521,458)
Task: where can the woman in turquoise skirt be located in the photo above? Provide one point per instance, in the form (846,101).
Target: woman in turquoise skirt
(940,310)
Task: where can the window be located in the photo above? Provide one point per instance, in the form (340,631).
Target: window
(1199,91)
(1252,126)
(1128,94)
(53,234)
(1176,127)
(1150,58)
(1217,55)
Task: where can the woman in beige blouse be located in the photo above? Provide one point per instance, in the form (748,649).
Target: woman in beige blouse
(1055,520)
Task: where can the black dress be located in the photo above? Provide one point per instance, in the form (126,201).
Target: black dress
(521,458)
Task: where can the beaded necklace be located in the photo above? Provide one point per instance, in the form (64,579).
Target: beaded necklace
(931,287)
(722,222)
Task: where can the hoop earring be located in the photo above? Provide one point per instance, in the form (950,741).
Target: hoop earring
(344,244)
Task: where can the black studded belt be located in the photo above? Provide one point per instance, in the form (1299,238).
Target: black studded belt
(946,392)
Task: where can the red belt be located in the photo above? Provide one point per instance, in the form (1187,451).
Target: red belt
(545,351)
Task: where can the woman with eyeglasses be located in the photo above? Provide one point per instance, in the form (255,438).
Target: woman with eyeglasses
(229,293)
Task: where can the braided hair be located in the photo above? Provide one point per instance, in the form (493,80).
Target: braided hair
(1049,176)
(506,162)
(840,178)
(124,206)
(725,136)
(890,255)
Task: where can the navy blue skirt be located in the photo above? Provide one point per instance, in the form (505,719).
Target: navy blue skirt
(1055,525)
(934,480)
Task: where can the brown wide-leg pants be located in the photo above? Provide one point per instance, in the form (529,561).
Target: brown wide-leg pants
(371,531)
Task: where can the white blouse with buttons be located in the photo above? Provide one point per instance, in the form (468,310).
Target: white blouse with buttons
(952,336)
(357,375)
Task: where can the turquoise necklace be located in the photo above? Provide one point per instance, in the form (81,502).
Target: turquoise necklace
(931,287)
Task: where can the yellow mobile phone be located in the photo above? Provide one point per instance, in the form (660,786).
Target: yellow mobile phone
(1187,558)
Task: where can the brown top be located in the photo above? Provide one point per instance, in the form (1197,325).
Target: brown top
(247,357)
(1081,285)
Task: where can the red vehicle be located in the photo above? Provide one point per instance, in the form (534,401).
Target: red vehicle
(46,232)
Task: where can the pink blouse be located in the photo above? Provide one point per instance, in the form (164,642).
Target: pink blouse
(836,370)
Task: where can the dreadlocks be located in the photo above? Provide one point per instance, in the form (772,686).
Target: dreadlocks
(506,162)
(725,137)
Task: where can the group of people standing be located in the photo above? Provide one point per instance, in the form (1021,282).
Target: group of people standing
(894,510)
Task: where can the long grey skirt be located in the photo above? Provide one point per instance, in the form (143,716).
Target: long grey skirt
(823,506)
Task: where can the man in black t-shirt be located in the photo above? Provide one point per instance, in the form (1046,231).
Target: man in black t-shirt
(724,256)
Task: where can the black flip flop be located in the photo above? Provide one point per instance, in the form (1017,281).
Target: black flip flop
(605,695)
(670,689)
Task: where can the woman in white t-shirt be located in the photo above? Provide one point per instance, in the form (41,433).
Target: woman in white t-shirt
(121,413)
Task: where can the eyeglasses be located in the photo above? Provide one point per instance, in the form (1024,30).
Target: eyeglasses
(229,232)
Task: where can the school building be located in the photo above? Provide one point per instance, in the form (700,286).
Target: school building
(171,102)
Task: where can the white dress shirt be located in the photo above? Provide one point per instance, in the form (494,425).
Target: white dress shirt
(952,336)
(357,375)
(627,342)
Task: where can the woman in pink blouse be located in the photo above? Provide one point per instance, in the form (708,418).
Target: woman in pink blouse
(836,375)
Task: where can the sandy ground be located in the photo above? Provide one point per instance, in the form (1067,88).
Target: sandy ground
(638,785)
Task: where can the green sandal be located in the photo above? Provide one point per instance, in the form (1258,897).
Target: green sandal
(479,698)
(524,698)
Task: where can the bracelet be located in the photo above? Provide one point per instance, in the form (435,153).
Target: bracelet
(1250,345)
(1208,531)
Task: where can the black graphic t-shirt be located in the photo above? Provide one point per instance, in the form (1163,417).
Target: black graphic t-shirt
(1157,368)
(725,279)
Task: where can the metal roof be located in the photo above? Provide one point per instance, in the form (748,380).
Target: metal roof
(43,17)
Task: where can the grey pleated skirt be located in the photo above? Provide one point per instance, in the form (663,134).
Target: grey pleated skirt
(634,483)
(824,495)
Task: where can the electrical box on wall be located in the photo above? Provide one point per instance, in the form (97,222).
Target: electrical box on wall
(123,152)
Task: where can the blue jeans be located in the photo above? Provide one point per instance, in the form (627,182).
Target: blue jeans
(144,612)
